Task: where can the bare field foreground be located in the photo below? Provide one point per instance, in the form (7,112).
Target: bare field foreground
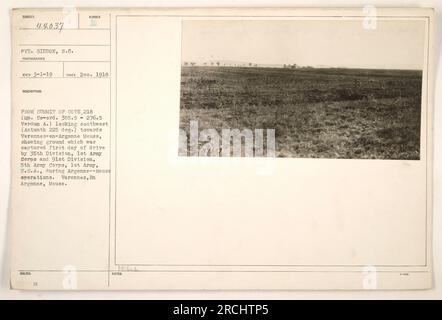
(316,113)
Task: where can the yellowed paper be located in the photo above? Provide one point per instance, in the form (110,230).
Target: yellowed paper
(221,148)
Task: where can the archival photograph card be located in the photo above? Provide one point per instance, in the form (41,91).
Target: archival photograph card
(221,149)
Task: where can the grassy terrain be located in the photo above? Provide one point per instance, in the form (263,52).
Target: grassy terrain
(317,113)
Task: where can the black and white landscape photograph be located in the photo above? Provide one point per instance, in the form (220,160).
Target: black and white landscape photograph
(327,88)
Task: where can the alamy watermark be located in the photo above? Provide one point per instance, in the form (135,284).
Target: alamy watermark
(370,21)
(227,143)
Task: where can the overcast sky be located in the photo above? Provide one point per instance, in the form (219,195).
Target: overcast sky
(395,44)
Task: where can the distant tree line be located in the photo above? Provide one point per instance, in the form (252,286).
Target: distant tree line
(249,64)
(218,63)
(295,66)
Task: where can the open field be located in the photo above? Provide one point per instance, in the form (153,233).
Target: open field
(316,113)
